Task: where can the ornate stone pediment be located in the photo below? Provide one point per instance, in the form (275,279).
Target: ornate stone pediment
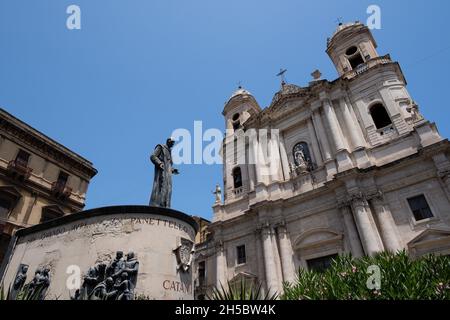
(318,242)
(430,241)
(288,91)
(317,237)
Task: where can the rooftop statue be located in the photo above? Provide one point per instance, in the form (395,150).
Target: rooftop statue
(162,181)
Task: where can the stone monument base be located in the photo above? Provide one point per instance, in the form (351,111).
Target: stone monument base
(120,252)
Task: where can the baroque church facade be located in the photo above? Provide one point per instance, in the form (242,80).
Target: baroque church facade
(361,171)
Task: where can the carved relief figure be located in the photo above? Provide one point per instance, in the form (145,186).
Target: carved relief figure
(113,282)
(124,288)
(132,268)
(94,275)
(116,267)
(104,290)
(40,283)
(19,281)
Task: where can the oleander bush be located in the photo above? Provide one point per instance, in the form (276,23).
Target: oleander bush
(402,278)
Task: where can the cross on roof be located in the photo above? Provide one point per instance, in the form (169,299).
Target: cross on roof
(339,21)
(282,76)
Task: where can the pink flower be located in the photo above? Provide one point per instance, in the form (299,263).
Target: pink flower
(354,269)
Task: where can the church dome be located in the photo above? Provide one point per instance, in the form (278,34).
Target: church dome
(240,91)
(343,28)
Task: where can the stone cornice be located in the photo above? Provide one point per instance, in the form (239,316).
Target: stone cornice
(18,131)
(277,110)
(40,190)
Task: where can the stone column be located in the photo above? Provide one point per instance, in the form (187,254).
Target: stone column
(388,229)
(366,226)
(262,168)
(314,143)
(333,123)
(269,261)
(221,264)
(352,233)
(318,124)
(259,256)
(253,159)
(284,160)
(352,125)
(286,253)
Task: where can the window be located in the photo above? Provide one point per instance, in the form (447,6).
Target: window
(62,180)
(201,273)
(4,243)
(351,51)
(236,121)
(420,208)
(237,177)
(241,258)
(51,213)
(301,154)
(5,207)
(354,57)
(380,116)
(321,264)
(22,158)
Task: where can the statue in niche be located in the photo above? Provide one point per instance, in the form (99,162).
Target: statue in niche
(104,290)
(302,158)
(124,288)
(162,181)
(37,288)
(131,268)
(116,266)
(19,281)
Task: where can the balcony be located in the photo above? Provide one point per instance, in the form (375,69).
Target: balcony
(19,169)
(238,192)
(366,66)
(60,190)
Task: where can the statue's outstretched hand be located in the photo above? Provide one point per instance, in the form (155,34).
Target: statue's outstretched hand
(175,171)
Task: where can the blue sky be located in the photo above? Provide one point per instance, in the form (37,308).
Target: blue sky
(138,69)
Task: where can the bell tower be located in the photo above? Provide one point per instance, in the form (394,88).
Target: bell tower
(238,109)
(351,46)
(236,175)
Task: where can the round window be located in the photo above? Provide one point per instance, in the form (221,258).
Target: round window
(235,116)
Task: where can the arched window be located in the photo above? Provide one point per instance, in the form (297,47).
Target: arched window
(236,121)
(237,177)
(354,57)
(380,116)
(301,154)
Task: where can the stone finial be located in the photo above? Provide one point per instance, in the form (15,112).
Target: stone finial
(316,74)
(218,194)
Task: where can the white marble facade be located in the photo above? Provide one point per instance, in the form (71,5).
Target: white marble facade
(377,175)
